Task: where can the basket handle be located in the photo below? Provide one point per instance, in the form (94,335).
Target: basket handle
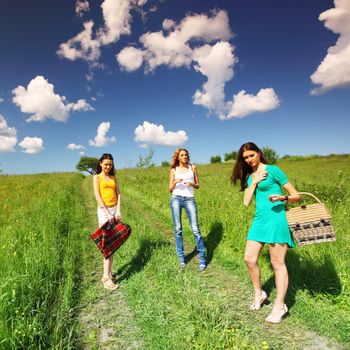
(311,195)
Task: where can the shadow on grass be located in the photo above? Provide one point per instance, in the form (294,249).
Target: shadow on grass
(213,239)
(210,242)
(139,261)
(317,277)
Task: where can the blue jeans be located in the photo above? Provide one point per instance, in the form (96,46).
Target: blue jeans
(190,206)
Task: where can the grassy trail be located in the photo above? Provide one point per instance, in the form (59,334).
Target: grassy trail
(226,319)
(158,306)
(105,319)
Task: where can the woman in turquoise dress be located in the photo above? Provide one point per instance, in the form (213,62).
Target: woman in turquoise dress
(265,182)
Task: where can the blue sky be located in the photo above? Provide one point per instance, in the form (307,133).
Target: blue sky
(126,76)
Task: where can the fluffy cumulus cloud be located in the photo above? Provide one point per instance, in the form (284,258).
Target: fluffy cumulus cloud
(32,145)
(8,139)
(40,100)
(216,63)
(130,58)
(87,44)
(244,104)
(177,45)
(81,6)
(173,48)
(150,133)
(75,147)
(101,139)
(80,105)
(1,99)
(334,70)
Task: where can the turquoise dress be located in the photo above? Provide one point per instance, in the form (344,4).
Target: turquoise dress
(270,222)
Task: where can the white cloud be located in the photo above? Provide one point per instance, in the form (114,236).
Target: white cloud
(177,46)
(130,58)
(1,99)
(81,6)
(40,100)
(7,143)
(216,63)
(117,18)
(174,49)
(244,104)
(80,105)
(32,145)
(141,2)
(87,45)
(8,139)
(82,46)
(168,24)
(75,147)
(150,133)
(5,129)
(334,70)
(101,139)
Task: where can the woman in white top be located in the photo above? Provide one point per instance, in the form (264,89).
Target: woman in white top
(183,180)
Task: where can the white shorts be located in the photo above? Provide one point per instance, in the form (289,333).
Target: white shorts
(102,216)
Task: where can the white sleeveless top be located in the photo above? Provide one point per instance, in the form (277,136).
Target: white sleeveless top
(180,188)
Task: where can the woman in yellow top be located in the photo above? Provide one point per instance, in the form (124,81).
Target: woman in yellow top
(107,195)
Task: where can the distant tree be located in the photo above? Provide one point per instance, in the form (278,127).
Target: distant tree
(165,164)
(87,164)
(215,159)
(270,154)
(230,156)
(146,161)
(1,170)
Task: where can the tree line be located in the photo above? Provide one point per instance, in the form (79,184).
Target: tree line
(89,164)
(270,154)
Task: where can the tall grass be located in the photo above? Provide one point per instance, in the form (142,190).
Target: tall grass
(319,293)
(44,229)
(41,220)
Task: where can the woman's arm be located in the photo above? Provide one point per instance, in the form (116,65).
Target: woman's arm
(293,196)
(195,183)
(172,180)
(118,214)
(249,191)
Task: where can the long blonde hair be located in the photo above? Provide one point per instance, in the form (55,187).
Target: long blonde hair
(175,158)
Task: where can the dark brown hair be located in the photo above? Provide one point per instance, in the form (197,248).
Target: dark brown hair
(241,169)
(103,157)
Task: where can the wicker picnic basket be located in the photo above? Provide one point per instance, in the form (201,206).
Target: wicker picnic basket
(310,223)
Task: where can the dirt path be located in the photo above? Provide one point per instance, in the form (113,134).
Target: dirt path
(105,319)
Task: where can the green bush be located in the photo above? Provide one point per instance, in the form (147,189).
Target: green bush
(230,156)
(270,154)
(215,159)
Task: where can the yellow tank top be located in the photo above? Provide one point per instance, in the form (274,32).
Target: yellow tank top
(108,191)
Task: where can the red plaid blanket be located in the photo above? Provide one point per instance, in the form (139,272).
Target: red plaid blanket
(110,237)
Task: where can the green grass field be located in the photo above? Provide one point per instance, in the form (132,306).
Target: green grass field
(51,297)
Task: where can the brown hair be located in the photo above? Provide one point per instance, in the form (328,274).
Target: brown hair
(241,169)
(103,157)
(175,158)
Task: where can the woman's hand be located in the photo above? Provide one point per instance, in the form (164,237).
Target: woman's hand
(188,183)
(110,218)
(118,217)
(276,197)
(258,177)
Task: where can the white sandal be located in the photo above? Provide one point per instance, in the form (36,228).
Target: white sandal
(109,284)
(277,319)
(257,307)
